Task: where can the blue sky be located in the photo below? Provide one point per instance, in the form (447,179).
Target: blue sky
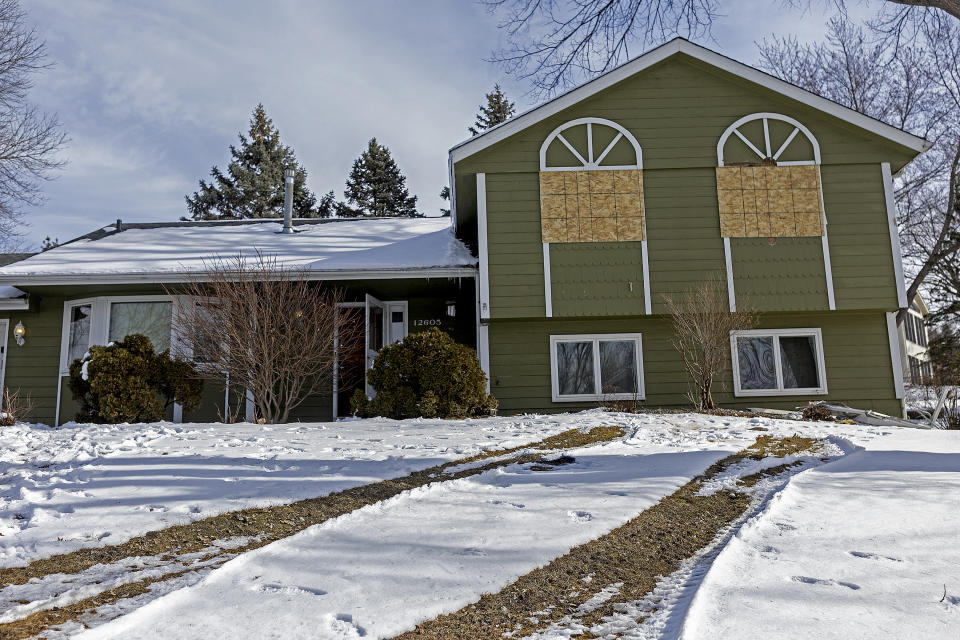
(152,92)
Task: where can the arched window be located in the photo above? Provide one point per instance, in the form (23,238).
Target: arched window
(590,144)
(768,179)
(782,147)
(591,183)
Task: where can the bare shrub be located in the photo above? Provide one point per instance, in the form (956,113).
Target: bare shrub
(265,328)
(16,407)
(702,322)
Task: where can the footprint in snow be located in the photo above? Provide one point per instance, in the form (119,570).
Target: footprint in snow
(829,582)
(873,556)
(515,505)
(580,516)
(287,589)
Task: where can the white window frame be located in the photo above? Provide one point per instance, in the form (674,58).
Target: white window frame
(776,334)
(596,339)
(100,321)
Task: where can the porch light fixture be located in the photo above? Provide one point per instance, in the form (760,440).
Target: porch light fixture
(19,334)
(451,308)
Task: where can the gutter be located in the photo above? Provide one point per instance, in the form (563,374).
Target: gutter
(183,276)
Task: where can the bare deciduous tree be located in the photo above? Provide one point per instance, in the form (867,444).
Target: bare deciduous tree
(914,87)
(557,43)
(266,329)
(29,138)
(702,322)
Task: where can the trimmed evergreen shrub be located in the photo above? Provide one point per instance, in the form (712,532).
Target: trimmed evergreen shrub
(427,375)
(127,382)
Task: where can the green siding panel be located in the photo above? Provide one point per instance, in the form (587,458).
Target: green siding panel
(678,110)
(788,275)
(856,352)
(596,279)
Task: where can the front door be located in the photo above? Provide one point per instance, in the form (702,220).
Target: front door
(377,332)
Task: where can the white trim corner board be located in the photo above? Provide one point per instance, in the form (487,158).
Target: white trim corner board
(547,282)
(893,337)
(895,249)
(482,246)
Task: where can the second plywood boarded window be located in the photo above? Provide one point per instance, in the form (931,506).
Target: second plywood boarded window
(770,201)
(592,206)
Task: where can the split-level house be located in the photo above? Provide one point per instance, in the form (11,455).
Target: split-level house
(570,224)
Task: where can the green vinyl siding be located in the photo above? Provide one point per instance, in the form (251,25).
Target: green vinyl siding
(788,275)
(515,246)
(32,369)
(859,234)
(596,279)
(683,231)
(856,355)
(678,110)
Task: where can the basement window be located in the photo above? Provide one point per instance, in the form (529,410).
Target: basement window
(778,362)
(596,367)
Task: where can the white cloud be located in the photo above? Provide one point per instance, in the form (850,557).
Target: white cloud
(152,94)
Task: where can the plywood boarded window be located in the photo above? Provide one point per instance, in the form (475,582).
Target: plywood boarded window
(592,206)
(768,179)
(769,201)
(591,183)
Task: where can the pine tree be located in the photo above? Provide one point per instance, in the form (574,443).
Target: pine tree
(445,195)
(252,186)
(376,187)
(498,109)
(49,243)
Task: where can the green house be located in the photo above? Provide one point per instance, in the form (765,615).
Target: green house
(571,226)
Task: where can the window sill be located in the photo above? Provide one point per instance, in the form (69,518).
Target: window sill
(750,393)
(600,398)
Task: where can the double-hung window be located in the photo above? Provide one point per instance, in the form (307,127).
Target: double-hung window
(771,362)
(596,367)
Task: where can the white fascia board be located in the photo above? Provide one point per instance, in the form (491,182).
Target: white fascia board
(199,276)
(675,46)
(17,304)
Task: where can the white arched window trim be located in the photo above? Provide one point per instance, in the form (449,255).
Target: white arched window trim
(733,129)
(590,163)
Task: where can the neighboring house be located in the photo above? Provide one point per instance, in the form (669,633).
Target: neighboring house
(914,340)
(583,213)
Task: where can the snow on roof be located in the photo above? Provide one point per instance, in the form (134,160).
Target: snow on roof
(357,244)
(10,293)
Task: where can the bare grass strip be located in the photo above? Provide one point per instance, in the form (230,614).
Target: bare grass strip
(263,525)
(627,561)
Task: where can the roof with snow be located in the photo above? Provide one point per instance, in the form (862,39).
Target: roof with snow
(340,248)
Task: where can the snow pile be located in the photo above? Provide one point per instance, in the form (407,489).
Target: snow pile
(348,244)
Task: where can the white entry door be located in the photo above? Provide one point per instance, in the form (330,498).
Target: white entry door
(376,333)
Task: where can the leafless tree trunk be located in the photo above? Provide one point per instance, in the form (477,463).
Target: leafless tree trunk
(913,87)
(702,322)
(556,44)
(268,328)
(29,139)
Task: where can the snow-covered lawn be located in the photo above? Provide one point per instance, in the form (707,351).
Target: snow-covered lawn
(93,485)
(867,546)
(884,518)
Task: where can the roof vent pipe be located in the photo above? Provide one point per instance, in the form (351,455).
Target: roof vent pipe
(287,201)
(119,225)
